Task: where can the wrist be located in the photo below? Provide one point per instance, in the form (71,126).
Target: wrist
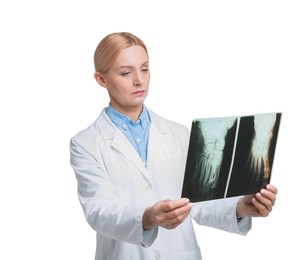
(239,210)
(147,223)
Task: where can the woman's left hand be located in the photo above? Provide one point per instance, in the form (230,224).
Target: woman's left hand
(259,204)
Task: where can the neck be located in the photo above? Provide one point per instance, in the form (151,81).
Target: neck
(134,115)
(133,112)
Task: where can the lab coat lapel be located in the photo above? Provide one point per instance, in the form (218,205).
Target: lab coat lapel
(157,142)
(123,146)
(119,142)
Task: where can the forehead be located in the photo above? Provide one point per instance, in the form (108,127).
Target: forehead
(133,55)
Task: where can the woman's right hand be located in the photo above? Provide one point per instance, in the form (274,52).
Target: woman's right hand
(166,213)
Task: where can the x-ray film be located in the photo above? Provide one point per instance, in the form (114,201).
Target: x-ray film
(230,156)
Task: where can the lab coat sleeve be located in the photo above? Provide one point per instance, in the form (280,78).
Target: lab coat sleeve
(104,212)
(221,214)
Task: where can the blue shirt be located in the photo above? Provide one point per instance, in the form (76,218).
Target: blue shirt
(137,133)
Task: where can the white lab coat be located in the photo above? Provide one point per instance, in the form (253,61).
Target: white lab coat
(115,187)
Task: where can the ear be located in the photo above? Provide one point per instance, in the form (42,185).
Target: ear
(100,79)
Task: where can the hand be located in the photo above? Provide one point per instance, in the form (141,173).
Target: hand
(166,213)
(259,204)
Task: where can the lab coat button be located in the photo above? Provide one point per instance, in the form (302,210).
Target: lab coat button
(148,188)
(158,256)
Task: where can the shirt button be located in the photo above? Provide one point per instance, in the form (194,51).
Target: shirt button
(138,140)
(158,256)
(125,126)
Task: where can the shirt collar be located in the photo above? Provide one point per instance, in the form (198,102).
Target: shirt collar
(121,120)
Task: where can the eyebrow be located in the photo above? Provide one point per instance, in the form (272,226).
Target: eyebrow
(128,67)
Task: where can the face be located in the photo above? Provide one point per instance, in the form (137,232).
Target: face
(127,81)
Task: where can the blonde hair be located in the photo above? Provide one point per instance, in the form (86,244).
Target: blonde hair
(110,46)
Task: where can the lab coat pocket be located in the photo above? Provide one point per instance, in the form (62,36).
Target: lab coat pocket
(191,255)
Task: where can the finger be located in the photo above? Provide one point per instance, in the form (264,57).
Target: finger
(175,214)
(272,188)
(263,201)
(178,212)
(170,205)
(174,222)
(268,195)
(261,209)
(174,217)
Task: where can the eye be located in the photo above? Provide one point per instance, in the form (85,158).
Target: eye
(125,74)
(145,70)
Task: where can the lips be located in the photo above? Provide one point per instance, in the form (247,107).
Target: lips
(138,93)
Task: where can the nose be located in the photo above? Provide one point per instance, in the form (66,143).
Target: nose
(138,80)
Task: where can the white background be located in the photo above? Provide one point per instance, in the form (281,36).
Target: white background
(208,58)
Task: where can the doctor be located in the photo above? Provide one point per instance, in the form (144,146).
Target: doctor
(129,165)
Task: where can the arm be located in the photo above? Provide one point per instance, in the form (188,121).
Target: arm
(103,209)
(221,214)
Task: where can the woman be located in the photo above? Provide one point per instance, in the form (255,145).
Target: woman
(130,163)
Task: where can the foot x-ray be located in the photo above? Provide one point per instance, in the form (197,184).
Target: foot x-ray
(230,156)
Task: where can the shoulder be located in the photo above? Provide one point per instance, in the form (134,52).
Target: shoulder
(166,125)
(91,134)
